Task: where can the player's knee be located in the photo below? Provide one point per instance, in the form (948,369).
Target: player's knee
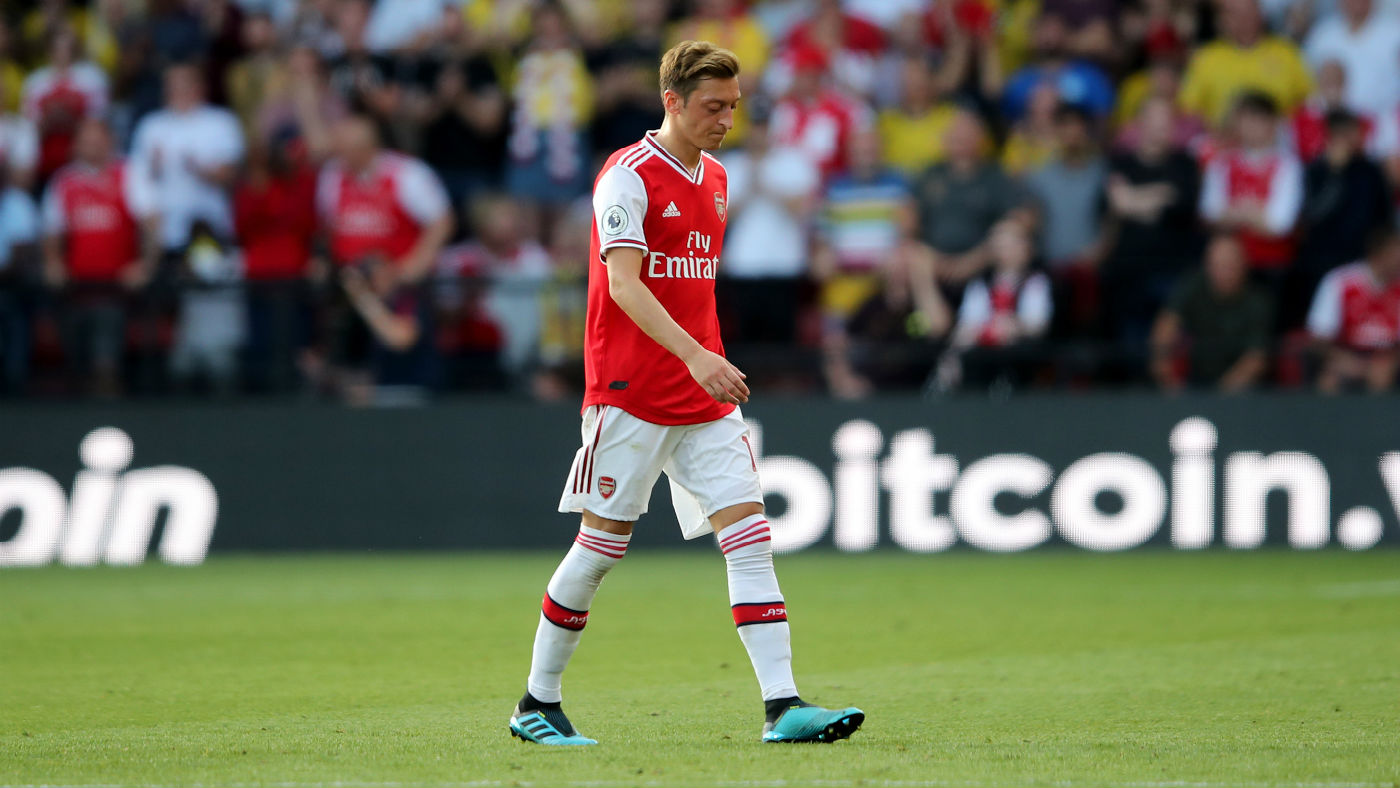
(730,515)
(619,527)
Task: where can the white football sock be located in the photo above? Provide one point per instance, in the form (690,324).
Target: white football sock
(757,603)
(564,611)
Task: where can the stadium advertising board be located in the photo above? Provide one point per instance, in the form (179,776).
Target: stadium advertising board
(85,484)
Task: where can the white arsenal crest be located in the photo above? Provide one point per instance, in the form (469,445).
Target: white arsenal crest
(606,486)
(719,206)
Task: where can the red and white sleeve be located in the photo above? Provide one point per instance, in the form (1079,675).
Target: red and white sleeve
(619,207)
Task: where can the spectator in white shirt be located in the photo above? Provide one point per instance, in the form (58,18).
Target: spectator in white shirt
(1366,41)
(400,24)
(1256,190)
(772,192)
(184,158)
(19,144)
(1002,317)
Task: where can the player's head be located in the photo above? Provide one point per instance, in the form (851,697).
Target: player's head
(356,141)
(700,89)
(1156,124)
(92,142)
(965,136)
(1011,246)
(1227,269)
(1332,81)
(63,47)
(1383,253)
(1256,119)
(1344,132)
(184,86)
(1241,21)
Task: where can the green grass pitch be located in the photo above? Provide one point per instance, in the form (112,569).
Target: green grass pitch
(1150,669)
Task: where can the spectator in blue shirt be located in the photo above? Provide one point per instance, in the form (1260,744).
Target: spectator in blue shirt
(1078,82)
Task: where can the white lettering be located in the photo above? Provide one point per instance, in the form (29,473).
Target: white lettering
(1390,476)
(39,500)
(681,267)
(112,515)
(973,502)
(106,451)
(805,491)
(193,507)
(913,474)
(857,444)
(1250,476)
(1193,483)
(1080,520)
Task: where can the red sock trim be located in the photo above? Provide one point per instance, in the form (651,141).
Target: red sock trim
(747,613)
(605,547)
(561,616)
(753,538)
(743,537)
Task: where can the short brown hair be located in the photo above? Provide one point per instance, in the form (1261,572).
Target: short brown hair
(689,62)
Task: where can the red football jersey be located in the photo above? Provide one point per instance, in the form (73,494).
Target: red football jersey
(92,208)
(1355,310)
(381,211)
(645,198)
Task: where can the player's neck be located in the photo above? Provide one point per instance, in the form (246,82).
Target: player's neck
(672,143)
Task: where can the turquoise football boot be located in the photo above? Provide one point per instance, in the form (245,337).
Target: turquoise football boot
(546,725)
(803,722)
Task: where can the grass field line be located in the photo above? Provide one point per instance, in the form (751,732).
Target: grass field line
(1360,590)
(864,783)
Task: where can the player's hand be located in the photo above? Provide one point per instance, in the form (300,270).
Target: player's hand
(719,378)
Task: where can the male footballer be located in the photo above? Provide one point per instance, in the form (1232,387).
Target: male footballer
(660,396)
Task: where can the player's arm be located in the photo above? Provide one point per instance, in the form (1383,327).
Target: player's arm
(422,195)
(418,262)
(713,372)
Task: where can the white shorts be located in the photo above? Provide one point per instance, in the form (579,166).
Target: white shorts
(711,466)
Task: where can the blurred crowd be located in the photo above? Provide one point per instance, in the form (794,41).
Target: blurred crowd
(378,199)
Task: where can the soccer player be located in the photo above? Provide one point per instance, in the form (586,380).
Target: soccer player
(660,396)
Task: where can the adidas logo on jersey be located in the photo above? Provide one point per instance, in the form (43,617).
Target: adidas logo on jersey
(671,210)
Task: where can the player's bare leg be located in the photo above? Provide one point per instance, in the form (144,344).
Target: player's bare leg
(600,544)
(760,613)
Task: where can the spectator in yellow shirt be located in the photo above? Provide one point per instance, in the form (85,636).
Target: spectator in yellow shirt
(1033,141)
(552,93)
(912,130)
(1244,58)
(728,24)
(10,73)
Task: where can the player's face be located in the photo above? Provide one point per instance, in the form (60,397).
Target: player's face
(1386,262)
(708,115)
(92,144)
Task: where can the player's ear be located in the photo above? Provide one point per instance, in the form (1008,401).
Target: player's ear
(672,101)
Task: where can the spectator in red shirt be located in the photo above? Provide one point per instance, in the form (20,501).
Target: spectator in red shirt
(815,118)
(59,96)
(99,241)
(385,213)
(1256,190)
(854,45)
(274,209)
(1355,317)
(378,204)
